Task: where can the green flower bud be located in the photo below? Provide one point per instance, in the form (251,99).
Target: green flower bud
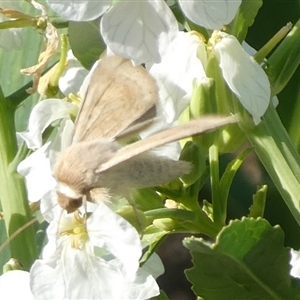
(191,152)
(12,264)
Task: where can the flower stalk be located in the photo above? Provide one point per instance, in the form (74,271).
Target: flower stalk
(13,193)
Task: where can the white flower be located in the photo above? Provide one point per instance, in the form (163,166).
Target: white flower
(36,169)
(97,258)
(184,62)
(140,30)
(15,285)
(73,76)
(243,75)
(210,14)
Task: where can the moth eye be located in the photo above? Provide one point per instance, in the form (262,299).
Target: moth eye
(67,203)
(73,204)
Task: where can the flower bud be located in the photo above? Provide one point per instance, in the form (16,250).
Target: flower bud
(191,152)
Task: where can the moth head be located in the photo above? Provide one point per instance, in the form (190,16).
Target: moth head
(68,198)
(67,203)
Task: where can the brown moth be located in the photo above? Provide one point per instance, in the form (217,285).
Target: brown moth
(121,99)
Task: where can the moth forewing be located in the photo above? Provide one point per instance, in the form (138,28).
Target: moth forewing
(194,127)
(119,94)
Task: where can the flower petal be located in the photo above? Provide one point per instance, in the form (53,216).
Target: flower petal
(243,75)
(108,230)
(139,30)
(184,62)
(73,76)
(42,115)
(75,274)
(80,10)
(154,266)
(210,14)
(8,283)
(295,263)
(37,172)
(143,287)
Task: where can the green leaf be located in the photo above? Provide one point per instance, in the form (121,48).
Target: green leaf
(248,261)
(259,200)
(86,41)
(227,178)
(244,18)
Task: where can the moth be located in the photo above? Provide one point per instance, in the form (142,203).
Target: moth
(120,100)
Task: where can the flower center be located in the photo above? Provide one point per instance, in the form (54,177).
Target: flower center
(78,233)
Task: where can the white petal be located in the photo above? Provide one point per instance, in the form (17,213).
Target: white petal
(154,266)
(184,62)
(143,287)
(244,76)
(275,101)
(42,115)
(73,77)
(210,14)
(15,285)
(295,263)
(46,279)
(249,49)
(108,230)
(139,30)
(75,274)
(80,10)
(49,206)
(37,172)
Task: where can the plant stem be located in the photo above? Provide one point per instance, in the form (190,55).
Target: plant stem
(13,193)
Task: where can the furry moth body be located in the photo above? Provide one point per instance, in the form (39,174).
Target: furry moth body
(120,98)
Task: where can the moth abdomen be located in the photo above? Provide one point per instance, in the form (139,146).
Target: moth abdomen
(145,170)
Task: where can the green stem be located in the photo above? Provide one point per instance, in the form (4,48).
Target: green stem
(283,141)
(61,66)
(284,61)
(13,193)
(215,184)
(278,155)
